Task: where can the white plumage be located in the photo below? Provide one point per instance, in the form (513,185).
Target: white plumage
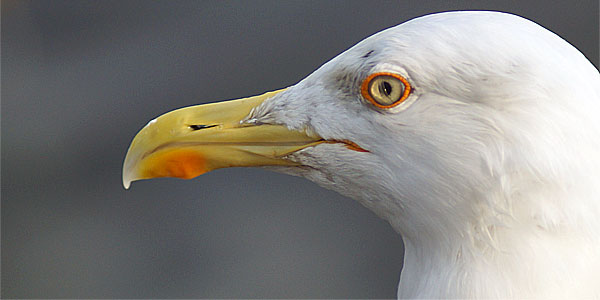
(489,171)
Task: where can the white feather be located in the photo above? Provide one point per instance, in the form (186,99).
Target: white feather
(489,171)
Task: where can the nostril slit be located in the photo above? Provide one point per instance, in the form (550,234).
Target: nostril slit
(198,127)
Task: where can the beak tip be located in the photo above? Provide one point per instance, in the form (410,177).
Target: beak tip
(126,181)
(127,178)
(129,169)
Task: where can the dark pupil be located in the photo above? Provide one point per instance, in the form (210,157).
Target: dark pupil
(387,88)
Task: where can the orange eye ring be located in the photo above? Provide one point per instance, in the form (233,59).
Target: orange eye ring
(376,98)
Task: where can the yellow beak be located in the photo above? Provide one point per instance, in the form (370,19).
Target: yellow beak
(191,141)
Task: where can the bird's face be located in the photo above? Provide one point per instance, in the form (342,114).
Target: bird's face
(357,125)
(411,122)
(394,156)
(368,124)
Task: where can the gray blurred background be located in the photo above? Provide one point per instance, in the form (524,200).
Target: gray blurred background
(80,78)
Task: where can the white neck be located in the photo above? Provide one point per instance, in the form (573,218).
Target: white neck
(542,267)
(515,259)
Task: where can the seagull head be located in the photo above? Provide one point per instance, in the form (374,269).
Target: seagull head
(458,128)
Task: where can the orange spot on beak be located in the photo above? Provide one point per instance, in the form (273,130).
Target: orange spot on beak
(184,164)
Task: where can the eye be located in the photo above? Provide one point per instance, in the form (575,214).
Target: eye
(385,90)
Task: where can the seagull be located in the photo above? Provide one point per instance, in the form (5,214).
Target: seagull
(475,134)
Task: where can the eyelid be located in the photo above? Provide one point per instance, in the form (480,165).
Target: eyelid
(364,89)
